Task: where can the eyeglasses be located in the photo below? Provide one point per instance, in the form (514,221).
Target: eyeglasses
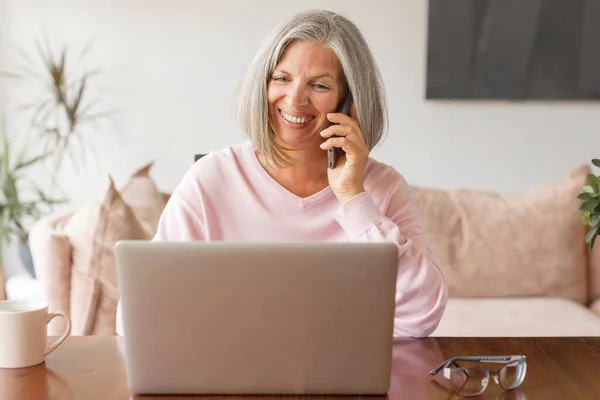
(472,381)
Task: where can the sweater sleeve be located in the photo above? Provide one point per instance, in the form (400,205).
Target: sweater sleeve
(183,217)
(421,292)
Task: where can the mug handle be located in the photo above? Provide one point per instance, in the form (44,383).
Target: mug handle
(49,318)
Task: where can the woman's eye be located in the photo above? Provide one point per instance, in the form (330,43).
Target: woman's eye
(281,79)
(321,87)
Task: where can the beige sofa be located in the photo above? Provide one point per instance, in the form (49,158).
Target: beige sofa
(515,265)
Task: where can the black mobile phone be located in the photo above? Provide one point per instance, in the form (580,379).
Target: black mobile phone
(333,153)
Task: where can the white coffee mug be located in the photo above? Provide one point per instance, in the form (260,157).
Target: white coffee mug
(24,332)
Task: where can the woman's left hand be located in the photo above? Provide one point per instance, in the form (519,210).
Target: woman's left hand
(346,178)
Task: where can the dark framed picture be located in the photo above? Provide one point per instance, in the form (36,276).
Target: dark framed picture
(513,49)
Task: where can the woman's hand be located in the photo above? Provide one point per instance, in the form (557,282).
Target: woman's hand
(346,178)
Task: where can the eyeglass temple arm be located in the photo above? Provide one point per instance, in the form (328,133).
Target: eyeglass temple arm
(443,365)
(491,359)
(453,360)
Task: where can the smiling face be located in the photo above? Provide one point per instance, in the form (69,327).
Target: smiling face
(304,87)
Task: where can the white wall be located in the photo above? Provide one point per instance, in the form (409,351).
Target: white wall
(173,67)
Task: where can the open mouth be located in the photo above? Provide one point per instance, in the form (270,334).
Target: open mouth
(297,121)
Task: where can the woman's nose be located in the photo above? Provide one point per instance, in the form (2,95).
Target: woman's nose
(297,96)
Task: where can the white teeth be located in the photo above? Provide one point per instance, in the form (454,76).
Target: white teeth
(293,119)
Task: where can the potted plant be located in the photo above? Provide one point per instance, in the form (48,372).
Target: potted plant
(62,113)
(66,108)
(22,201)
(590,194)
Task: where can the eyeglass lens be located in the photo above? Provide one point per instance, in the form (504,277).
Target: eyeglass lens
(512,374)
(473,381)
(470,381)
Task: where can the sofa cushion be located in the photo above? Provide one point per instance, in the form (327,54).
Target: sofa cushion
(494,245)
(93,230)
(534,316)
(595,307)
(141,193)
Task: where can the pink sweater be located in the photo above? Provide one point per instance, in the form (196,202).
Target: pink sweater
(227,195)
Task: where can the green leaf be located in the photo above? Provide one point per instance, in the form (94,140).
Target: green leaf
(585,219)
(587,189)
(592,180)
(34,160)
(596,162)
(589,205)
(594,219)
(5,161)
(586,196)
(591,234)
(592,243)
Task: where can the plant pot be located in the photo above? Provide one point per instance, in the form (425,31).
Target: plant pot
(26,260)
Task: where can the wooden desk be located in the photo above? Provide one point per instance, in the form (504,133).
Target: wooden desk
(557,368)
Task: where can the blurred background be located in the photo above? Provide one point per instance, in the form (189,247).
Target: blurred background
(160,79)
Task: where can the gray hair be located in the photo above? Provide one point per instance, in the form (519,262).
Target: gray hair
(360,74)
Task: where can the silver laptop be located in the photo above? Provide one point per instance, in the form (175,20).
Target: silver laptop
(257,318)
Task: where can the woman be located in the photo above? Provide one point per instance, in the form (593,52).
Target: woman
(278,187)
